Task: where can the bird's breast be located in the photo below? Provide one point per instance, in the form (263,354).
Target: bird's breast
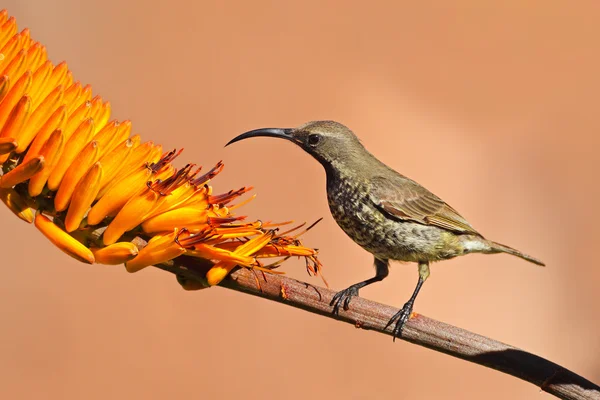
(386,238)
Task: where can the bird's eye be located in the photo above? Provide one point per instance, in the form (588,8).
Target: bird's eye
(313,139)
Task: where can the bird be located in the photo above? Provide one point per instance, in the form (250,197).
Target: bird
(386,213)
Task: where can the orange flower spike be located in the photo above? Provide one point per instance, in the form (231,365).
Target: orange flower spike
(16,65)
(112,162)
(180,217)
(3,18)
(16,119)
(13,96)
(84,194)
(22,172)
(7,145)
(84,160)
(41,114)
(115,254)
(51,151)
(220,270)
(61,239)
(40,77)
(8,30)
(16,204)
(56,121)
(157,251)
(73,147)
(119,194)
(131,215)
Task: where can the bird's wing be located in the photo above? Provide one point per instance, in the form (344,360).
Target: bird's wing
(406,200)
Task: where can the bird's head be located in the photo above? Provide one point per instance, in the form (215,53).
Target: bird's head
(327,141)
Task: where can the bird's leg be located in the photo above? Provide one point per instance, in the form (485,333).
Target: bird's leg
(343,297)
(403,315)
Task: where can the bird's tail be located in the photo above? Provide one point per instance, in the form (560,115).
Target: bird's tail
(500,248)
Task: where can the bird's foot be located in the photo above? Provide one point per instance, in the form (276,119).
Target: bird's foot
(342,298)
(400,319)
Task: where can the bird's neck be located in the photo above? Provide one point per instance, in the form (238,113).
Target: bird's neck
(358,164)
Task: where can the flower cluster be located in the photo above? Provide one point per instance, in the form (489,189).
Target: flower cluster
(92,188)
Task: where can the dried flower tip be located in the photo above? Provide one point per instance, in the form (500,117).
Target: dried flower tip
(202,179)
(61,239)
(166,158)
(179,178)
(225,198)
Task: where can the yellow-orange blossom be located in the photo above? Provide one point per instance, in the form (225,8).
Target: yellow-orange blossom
(81,173)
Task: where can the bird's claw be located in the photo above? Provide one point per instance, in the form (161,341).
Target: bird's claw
(400,319)
(342,298)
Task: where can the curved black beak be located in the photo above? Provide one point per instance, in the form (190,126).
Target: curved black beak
(264,132)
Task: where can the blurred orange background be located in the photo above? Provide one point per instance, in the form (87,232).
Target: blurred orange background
(492,106)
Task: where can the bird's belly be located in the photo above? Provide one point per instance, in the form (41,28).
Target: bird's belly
(391,239)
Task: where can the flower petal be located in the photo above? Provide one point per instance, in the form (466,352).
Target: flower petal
(61,239)
(51,151)
(115,254)
(84,194)
(75,172)
(22,172)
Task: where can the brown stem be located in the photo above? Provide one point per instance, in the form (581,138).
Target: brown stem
(421,330)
